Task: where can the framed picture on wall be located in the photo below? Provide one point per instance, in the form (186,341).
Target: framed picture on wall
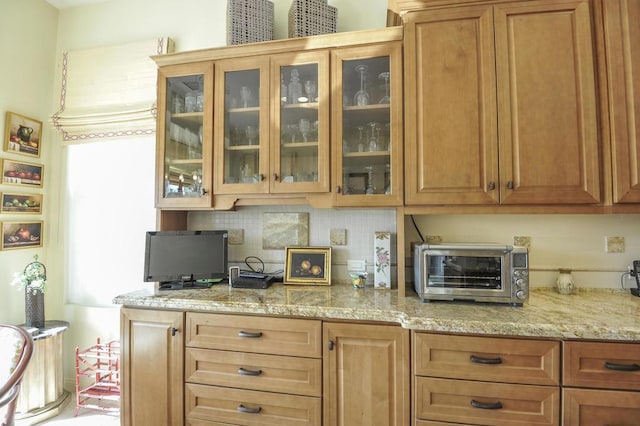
(20,235)
(21,203)
(22,135)
(24,174)
(308,265)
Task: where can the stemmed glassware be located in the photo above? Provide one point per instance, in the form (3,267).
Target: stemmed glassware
(375,136)
(245,96)
(370,188)
(310,89)
(385,76)
(305,128)
(361,98)
(251,133)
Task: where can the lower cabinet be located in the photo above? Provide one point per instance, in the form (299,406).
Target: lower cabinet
(249,370)
(366,376)
(601,382)
(485,380)
(151,366)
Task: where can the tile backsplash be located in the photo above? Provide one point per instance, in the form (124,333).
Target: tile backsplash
(356,228)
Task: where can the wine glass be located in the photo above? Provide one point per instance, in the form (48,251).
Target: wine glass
(245,96)
(310,89)
(375,136)
(305,128)
(361,98)
(385,76)
(370,188)
(251,132)
(360,138)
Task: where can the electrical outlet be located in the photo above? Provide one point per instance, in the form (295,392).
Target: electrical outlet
(356,265)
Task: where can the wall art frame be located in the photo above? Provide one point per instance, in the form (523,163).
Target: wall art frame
(22,235)
(22,173)
(20,203)
(308,265)
(22,135)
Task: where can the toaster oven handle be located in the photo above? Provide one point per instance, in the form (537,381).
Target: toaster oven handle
(480,360)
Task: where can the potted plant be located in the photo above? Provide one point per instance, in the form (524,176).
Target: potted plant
(33,280)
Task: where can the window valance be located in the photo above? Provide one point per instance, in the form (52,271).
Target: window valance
(109,91)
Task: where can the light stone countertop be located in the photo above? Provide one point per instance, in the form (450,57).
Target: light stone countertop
(597,314)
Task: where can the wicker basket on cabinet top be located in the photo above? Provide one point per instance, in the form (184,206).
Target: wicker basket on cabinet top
(311,17)
(249,21)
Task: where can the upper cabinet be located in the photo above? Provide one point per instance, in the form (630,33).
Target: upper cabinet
(184,143)
(272,124)
(622,60)
(367,125)
(502,107)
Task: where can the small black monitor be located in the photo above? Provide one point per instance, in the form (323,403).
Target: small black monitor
(182,259)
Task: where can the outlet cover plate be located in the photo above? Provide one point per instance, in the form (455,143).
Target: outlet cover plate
(356,265)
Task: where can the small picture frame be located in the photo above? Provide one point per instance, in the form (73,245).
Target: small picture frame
(21,203)
(308,265)
(23,174)
(22,135)
(21,235)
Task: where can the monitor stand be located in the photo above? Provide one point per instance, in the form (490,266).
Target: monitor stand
(182,285)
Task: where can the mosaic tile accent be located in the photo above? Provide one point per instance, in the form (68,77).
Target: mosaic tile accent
(280,230)
(338,237)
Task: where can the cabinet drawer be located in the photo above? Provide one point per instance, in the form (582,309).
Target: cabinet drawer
(486,358)
(602,365)
(273,373)
(226,405)
(277,336)
(600,407)
(464,401)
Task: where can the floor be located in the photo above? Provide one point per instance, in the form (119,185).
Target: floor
(85,417)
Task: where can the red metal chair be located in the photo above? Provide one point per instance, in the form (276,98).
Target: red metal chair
(16,348)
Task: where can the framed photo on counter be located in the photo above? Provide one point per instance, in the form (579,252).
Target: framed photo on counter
(308,265)
(22,135)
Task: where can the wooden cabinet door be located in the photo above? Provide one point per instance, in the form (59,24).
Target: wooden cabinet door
(152,367)
(366,375)
(599,407)
(451,151)
(622,45)
(546,103)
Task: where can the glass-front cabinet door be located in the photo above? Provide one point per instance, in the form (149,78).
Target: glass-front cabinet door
(367,125)
(184,143)
(300,123)
(242,132)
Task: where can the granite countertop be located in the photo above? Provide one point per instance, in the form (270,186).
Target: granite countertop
(597,314)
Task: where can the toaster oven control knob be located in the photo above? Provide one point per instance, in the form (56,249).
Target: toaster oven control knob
(521,282)
(521,294)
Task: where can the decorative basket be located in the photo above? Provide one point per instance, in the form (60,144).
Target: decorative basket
(249,21)
(311,17)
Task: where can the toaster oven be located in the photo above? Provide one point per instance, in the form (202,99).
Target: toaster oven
(471,272)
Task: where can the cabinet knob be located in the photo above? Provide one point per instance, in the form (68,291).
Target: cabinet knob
(331,345)
(510,184)
(174,331)
(204,191)
(492,186)
(261,176)
(275,177)
(338,189)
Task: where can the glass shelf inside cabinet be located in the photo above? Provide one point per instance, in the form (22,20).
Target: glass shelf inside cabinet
(183,136)
(242,126)
(366,126)
(299,123)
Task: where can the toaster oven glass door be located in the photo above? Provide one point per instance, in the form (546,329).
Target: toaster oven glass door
(465,272)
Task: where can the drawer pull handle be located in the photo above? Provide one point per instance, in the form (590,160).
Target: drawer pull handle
(245,372)
(479,360)
(621,367)
(249,334)
(486,405)
(243,409)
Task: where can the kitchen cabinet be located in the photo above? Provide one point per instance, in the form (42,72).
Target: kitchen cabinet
(184,143)
(485,380)
(252,370)
(152,361)
(590,367)
(366,376)
(367,125)
(503,107)
(622,61)
(273,113)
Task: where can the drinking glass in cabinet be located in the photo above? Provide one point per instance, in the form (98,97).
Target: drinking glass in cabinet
(385,76)
(361,98)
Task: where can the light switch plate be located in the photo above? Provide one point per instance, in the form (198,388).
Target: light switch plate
(356,265)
